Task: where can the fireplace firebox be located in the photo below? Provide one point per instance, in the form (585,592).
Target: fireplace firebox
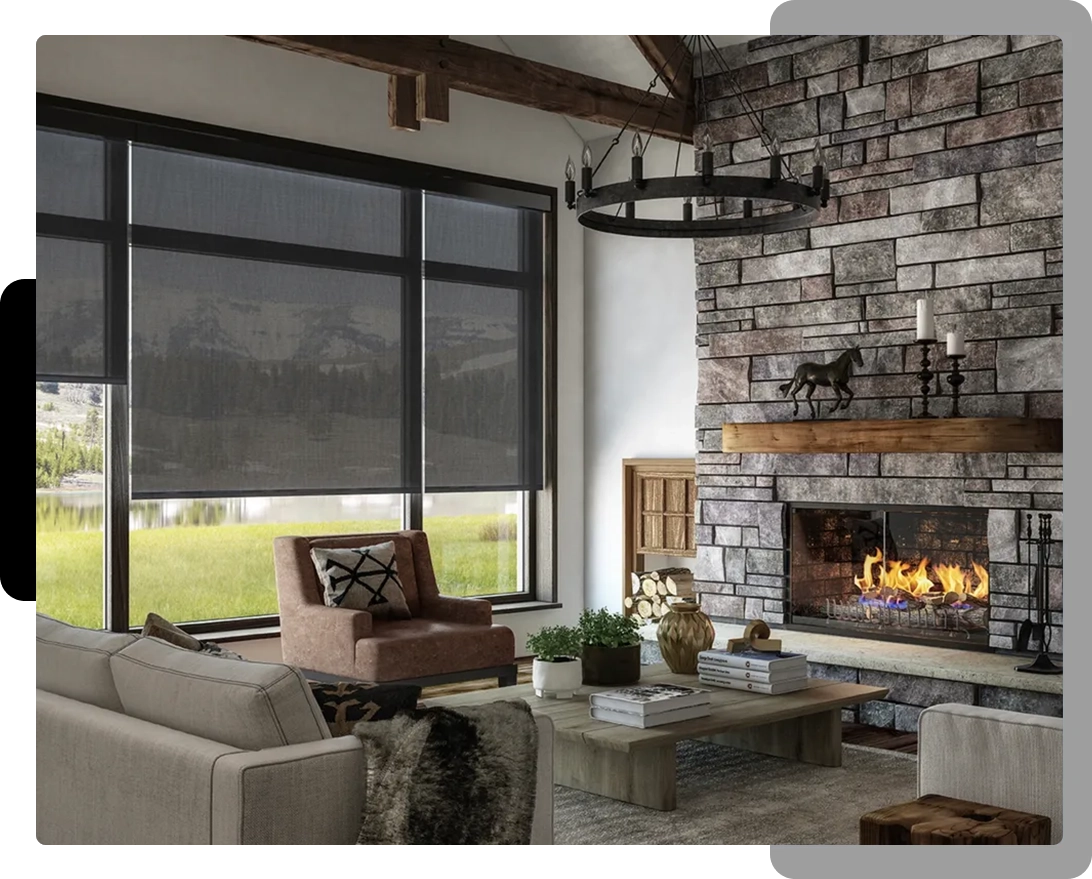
(901,573)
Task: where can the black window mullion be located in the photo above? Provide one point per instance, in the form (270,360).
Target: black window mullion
(208,244)
(479,276)
(75,228)
(530,359)
(117,261)
(412,351)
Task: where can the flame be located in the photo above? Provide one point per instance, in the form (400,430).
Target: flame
(917,582)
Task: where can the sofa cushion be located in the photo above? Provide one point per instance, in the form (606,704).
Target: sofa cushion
(75,662)
(362,578)
(403,556)
(250,705)
(419,648)
(347,703)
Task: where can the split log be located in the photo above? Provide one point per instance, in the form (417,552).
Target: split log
(655,587)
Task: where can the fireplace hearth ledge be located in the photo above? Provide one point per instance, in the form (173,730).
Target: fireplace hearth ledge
(915,660)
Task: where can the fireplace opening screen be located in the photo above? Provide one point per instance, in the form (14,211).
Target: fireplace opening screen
(906,573)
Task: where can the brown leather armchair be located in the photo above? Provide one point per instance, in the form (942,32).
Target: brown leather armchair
(448,639)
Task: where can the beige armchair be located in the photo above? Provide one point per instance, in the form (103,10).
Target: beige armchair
(448,639)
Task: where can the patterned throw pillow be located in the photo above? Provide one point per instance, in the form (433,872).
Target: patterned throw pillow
(348,703)
(363,578)
(156,626)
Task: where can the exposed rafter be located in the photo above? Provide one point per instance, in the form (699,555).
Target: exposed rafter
(501,76)
(670,55)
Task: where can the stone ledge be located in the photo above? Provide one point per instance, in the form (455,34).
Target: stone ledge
(919,660)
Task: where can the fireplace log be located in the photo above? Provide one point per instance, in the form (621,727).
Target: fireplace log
(938,820)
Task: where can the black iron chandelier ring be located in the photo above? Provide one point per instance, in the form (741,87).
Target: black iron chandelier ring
(804,200)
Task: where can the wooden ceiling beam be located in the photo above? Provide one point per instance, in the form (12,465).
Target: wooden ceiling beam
(670,55)
(503,77)
(402,102)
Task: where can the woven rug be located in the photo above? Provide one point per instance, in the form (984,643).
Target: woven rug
(732,797)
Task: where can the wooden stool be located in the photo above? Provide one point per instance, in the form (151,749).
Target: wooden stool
(937,820)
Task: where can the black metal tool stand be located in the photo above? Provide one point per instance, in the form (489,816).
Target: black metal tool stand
(1038,627)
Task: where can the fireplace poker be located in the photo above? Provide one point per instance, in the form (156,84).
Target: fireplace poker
(1041,629)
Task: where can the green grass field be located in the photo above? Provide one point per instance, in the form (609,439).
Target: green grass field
(190,573)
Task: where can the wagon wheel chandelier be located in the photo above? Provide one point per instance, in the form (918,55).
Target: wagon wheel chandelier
(736,204)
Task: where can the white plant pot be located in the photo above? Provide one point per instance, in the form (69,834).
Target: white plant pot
(556,680)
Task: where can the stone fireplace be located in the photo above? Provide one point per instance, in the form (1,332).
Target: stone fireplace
(946,159)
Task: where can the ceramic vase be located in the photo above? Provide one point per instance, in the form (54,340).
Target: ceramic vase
(683,633)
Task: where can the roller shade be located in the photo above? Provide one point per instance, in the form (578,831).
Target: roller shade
(73,270)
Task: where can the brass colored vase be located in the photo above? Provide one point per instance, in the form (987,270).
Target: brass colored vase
(684,632)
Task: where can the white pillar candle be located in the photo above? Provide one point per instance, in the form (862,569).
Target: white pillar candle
(956,348)
(927,327)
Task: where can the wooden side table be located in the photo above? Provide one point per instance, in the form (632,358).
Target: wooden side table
(937,820)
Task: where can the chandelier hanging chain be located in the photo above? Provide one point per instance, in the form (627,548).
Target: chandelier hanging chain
(745,103)
(652,84)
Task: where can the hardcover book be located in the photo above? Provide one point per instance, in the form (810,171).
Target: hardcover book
(644,721)
(748,674)
(644,699)
(773,689)
(754,659)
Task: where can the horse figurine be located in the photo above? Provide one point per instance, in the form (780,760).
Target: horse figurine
(834,375)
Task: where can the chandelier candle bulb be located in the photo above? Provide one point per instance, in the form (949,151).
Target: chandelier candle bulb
(817,169)
(927,325)
(775,158)
(586,169)
(956,345)
(637,162)
(570,183)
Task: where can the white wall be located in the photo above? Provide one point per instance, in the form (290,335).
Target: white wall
(640,379)
(224,81)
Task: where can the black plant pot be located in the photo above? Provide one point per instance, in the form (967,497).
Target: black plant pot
(612,666)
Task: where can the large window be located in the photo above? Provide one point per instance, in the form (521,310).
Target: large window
(290,340)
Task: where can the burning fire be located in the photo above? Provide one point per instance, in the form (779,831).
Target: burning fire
(897,583)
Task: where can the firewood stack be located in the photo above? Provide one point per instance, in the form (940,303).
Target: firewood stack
(651,591)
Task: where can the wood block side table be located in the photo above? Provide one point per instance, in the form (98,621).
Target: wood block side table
(937,820)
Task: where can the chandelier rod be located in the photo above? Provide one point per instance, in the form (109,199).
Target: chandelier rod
(748,108)
(640,103)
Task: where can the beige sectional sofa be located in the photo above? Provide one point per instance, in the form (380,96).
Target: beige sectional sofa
(139,741)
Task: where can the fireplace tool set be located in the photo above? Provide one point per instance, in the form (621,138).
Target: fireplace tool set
(1037,627)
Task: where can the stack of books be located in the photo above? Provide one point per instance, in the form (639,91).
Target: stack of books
(754,670)
(647,705)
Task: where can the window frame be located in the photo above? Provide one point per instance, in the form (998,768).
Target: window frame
(121,127)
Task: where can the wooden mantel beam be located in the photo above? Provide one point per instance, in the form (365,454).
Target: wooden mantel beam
(670,55)
(501,76)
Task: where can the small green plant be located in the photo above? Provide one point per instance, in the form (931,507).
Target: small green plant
(49,407)
(555,643)
(604,628)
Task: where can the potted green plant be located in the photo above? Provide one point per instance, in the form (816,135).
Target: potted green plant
(556,672)
(611,647)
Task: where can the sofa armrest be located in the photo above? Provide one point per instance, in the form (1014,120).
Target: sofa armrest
(458,610)
(1024,770)
(309,794)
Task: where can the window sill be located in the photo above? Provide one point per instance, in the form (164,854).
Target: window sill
(525,606)
(228,635)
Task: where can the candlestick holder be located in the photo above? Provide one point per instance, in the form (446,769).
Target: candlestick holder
(955,380)
(926,375)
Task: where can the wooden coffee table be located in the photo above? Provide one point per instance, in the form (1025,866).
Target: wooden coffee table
(638,765)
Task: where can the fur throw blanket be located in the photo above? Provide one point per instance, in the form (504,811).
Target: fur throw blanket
(442,777)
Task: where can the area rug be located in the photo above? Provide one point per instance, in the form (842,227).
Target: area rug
(732,797)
